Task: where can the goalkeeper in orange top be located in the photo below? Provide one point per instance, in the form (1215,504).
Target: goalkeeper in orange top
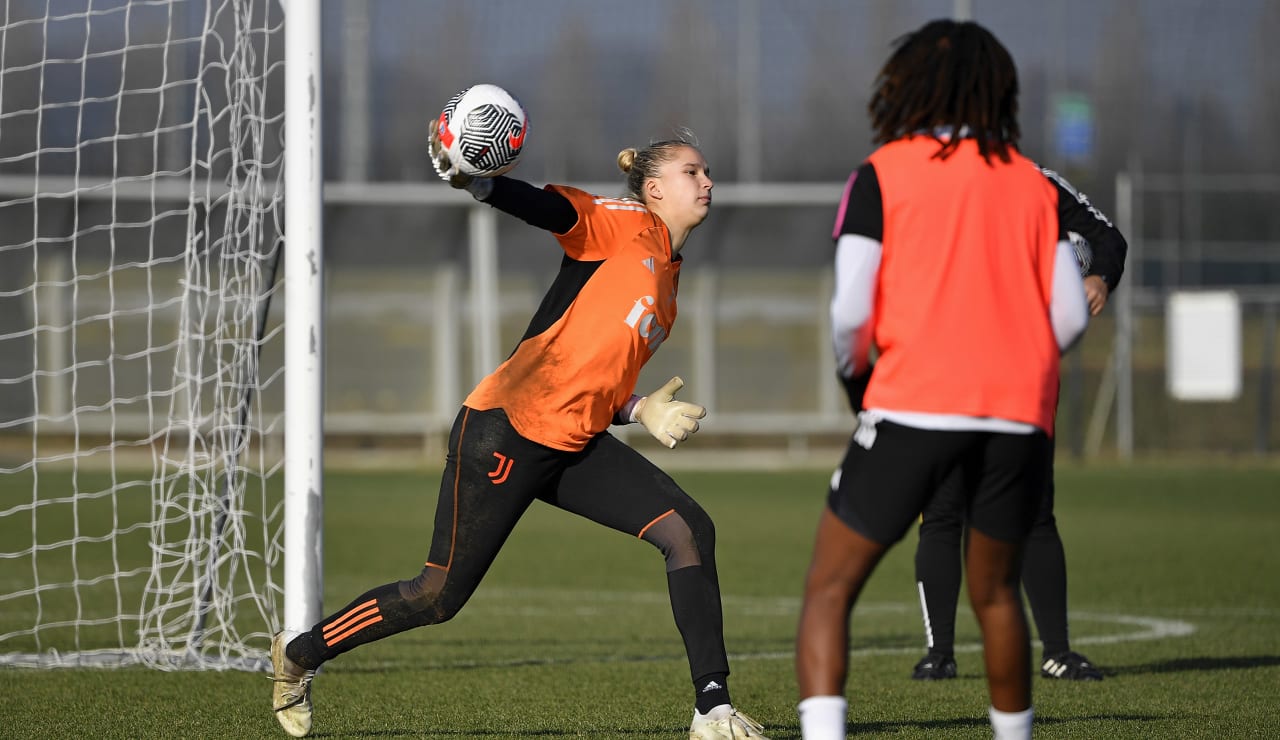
(537,429)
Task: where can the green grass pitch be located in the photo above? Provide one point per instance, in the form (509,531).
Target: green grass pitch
(1174,591)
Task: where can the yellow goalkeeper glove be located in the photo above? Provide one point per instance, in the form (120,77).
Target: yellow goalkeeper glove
(668,420)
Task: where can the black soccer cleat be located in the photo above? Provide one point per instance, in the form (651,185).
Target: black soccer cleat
(1069,666)
(934,667)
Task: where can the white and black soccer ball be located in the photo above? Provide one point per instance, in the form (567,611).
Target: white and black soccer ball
(1083,250)
(483,130)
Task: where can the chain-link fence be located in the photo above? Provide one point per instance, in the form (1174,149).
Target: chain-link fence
(777,93)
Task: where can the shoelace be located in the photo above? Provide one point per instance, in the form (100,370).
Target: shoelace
(737,719)
(295,694)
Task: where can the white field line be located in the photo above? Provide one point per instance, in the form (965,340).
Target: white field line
(1147,628)
(596,603)
(553,602)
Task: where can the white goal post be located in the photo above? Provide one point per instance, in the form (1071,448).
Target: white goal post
(153,509)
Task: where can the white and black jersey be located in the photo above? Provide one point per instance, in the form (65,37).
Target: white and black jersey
(1077,214)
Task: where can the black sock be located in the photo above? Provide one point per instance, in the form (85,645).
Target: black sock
(710,691)
(1044,578)
(302,651)
(378,613)
(695,603)
(938,579)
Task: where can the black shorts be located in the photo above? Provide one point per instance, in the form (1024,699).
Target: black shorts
(891,471)
(946,510)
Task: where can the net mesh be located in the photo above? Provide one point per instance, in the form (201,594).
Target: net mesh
(141,354)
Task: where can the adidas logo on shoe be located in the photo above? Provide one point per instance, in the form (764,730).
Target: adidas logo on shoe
(1070,666)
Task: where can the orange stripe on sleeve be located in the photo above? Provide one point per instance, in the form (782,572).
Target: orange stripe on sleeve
(655,521)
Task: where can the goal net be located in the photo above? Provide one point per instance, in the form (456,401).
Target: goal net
(141,341)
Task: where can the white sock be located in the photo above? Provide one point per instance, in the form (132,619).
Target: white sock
(1011,725)
(823,717)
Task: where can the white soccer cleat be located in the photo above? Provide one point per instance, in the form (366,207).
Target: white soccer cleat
(724,723)
(291,692)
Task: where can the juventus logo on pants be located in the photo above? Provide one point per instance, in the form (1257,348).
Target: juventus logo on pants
(499,474)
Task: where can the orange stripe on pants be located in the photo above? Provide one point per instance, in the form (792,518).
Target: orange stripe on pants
(335,639)
(358,613)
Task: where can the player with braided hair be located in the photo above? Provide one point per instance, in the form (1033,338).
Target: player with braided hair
(952,263)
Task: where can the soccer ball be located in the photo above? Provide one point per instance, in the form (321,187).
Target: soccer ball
(1083,251)
(483,128)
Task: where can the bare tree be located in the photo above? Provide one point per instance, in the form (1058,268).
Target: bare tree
(570,109)
(422,79)
(1121,87)
(695,87)
(1265,108)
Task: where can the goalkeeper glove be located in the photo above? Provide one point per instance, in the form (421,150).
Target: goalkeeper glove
(477,186)
(668,420)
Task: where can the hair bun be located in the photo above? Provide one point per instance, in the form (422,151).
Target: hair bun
(627,159)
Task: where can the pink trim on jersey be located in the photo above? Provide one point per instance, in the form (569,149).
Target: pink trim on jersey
(844,206)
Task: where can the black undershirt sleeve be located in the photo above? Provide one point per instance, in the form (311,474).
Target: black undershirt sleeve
(862,213)
(863,210)
(1076,213)
(545,209)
